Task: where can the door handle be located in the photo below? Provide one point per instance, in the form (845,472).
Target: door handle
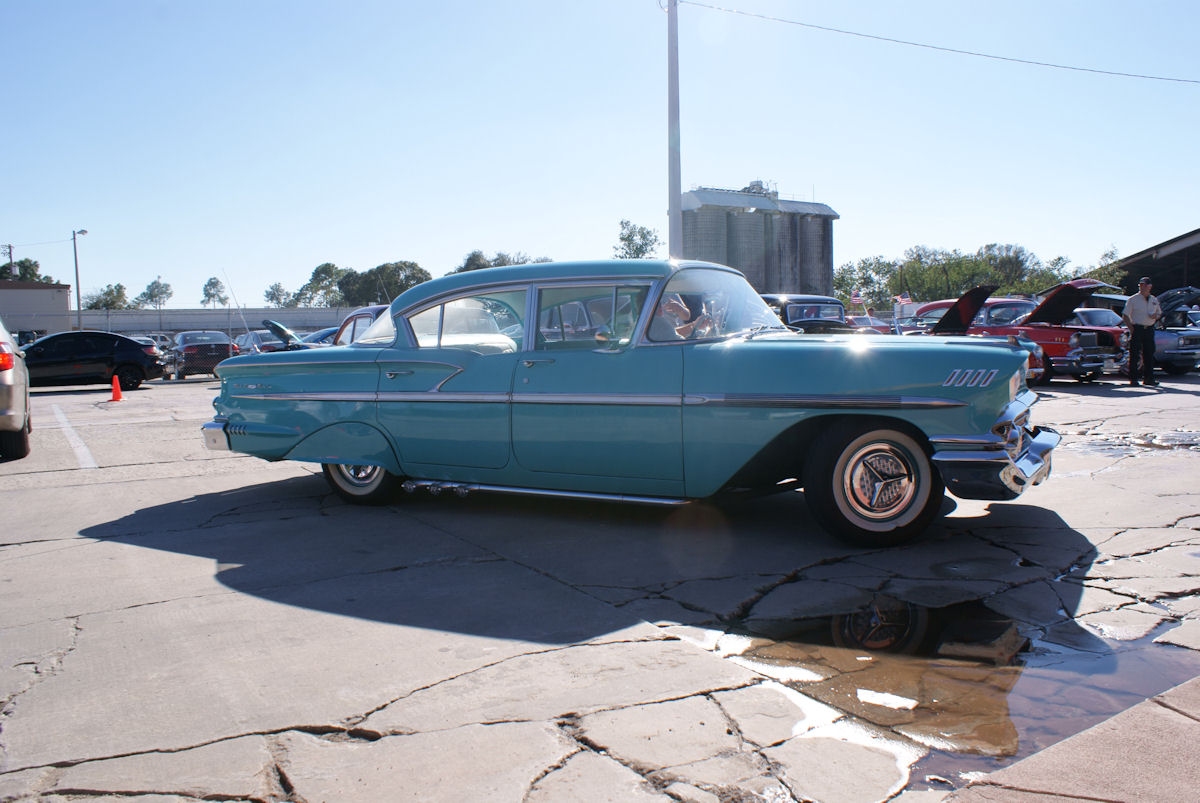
(394,374)
(531,363)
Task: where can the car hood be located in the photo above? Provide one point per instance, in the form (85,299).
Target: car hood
(1179,297)
(958,317)
(1063,300)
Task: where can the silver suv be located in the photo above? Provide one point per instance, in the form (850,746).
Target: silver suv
(15,421)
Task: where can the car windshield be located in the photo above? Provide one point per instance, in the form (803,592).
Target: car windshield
(204,337)
(706,303)
(811,312)
(1098,317)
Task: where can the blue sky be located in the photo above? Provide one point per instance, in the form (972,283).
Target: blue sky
(252,140)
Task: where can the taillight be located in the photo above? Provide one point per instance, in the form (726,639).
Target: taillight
(151,350)
(191,349)
(7,358)
(234,350)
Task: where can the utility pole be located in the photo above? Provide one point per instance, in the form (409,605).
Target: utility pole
(11,267)
(674,189)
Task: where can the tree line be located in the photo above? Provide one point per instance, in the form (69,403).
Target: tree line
(928,274)
(924,273)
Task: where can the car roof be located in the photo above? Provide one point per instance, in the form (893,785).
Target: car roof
(543,271)
(800,298)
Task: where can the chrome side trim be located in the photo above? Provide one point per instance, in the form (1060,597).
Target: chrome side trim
(819,401)
(463,488)
(624,399)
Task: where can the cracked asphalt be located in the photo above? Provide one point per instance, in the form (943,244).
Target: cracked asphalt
(183,625)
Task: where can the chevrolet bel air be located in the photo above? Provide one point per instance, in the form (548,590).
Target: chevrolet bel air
(641,381)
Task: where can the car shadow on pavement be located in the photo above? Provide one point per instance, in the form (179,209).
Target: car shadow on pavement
(561,571)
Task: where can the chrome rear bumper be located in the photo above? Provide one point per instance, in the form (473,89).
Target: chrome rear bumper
(215,438)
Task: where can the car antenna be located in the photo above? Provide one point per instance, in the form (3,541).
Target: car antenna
(236,303)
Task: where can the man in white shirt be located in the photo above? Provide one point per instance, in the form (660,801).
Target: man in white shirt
(1140,313)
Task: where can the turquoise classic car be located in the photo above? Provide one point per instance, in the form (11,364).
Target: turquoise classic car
(641,381)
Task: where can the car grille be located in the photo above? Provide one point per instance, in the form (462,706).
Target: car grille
(1189,341)
(1087,339)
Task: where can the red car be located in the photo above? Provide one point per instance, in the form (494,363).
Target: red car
(1083,352)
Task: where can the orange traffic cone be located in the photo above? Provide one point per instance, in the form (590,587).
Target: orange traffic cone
(116,390)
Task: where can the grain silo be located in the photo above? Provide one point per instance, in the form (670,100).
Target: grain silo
(781,246)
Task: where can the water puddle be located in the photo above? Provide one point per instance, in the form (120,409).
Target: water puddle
(964,681)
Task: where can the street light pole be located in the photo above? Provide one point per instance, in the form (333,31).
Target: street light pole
(674,181)
(78,306)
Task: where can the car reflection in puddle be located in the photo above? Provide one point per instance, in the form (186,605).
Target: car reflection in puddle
(962,680)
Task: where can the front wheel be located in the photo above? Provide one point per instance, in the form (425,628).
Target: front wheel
(360,485)
(870,484)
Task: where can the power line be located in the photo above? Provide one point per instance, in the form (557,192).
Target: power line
(937,47)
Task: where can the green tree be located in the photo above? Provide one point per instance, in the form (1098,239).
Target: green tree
(111,297)
(156,294)
(1107,269)
(380,284)
(870,277)
(214,293)
(477,260)
(277,296)
(636,242)
(28,270)
(321,290)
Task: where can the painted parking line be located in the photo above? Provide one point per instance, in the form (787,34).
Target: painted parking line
(82,454)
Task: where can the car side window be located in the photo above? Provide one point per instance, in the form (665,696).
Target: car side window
(489,323)
(588,317)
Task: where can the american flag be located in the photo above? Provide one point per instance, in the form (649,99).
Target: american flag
(856,297)
(904,298)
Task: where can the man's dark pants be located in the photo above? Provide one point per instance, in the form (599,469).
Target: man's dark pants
(1141,343)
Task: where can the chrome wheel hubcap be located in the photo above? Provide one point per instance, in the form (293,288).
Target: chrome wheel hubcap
(880,481)
(360,476)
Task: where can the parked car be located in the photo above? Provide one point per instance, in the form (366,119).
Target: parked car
(1176,342)
(198,352)
(1083,352)
(870,322)
(258,340)
(1177,338)
(453,389)
(15,420)
(321,337)
(956,321)
(809,314)
(357,322)
(91,358)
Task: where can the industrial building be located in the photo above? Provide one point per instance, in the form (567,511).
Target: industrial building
(781,246)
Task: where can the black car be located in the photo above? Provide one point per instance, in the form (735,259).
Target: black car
(91,358)
(198,352)
(809,313)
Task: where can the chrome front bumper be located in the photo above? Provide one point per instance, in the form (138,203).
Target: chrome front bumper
(215,438)
(1001,464)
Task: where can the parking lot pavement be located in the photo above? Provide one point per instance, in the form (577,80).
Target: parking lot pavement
(187,624)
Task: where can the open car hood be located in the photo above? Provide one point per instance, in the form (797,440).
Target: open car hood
(958,317)
(1179,297)
(1063,300)
(290,339)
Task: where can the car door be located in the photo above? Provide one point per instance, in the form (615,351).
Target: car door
(444,392)
(592,407)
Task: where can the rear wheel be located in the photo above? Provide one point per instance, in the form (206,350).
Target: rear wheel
(361,485)
(1176,370)
(129,377)
(871,484)
(15,445)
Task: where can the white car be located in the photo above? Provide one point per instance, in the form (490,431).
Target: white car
(15,421)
